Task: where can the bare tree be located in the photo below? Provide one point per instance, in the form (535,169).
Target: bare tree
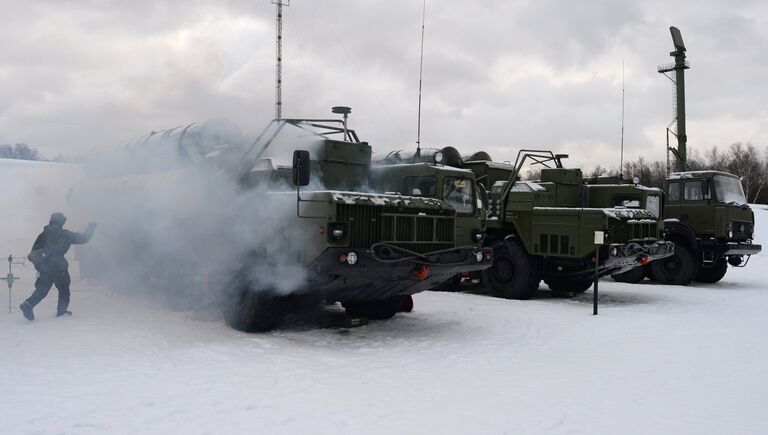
(745,161)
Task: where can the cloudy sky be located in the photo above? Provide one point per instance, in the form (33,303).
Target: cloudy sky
(499,75)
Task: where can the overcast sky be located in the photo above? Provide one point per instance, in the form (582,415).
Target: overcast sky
(499,75)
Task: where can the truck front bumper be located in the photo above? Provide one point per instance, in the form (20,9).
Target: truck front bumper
(624,257)
(740,248)
(374,276)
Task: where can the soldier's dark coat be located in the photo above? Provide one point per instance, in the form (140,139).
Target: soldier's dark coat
(48,257)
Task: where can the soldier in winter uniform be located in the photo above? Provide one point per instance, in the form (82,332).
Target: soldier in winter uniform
(48,257)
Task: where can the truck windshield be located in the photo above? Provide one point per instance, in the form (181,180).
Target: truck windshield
(729,190)
(420,186)
(458,193)
(652,204)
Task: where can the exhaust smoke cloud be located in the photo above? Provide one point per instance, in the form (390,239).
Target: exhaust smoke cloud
(175,225)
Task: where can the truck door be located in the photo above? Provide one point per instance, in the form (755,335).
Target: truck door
(673,201)
(696,209)
(459,193)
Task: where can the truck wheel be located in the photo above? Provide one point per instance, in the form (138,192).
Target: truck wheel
(513,274)
(374,310)
(632,276)
(255,312)
(713,274)
(649,273)
(566,287)
(678,269)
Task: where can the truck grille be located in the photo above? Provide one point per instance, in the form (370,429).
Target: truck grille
(643,230)
(413,229)
(742,230)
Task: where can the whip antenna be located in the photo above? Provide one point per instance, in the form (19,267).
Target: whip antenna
(421,69)
(621,161)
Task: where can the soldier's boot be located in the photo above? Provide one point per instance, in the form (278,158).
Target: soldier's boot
(26,309)
(63,313)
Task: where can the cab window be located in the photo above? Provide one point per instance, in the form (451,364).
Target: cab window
(459,194)
(420,186)
(627,201)
(653,204)
(673,191)
(694,190)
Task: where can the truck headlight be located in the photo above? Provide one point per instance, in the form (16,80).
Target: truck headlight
(477,235)
(337,231)
(351,258)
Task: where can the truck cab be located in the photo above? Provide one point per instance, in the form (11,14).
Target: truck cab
(457,187)
(707,216)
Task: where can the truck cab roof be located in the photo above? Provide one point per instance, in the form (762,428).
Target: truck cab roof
(699,174)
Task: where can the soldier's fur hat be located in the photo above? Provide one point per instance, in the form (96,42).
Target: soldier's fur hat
(58,219)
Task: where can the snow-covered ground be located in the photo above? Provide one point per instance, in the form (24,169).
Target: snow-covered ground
(658,359)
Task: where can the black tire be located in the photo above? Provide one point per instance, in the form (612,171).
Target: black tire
(711,275)
(679,269)
(648,273)
(632,276)
(567,287)
(407,305)
(252,311)
(375,310)
(514,274)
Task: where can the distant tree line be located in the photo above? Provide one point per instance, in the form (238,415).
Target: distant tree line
(20,151)
(744,160)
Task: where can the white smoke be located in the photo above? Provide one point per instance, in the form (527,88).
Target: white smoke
(189,235)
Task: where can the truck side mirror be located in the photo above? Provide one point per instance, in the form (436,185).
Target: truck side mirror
(300,168)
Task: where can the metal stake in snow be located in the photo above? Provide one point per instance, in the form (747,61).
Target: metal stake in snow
(9,279)
(599,241)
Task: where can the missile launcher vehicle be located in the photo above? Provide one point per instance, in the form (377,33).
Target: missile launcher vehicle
(348,240)
(546,230)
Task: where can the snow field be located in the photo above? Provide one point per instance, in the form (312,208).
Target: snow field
(658,359)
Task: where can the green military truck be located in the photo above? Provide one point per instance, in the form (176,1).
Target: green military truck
(373,245)
(707,216)
(706,213)
(546,229)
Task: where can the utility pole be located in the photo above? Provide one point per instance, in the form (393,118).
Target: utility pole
(279,66)
(679,68)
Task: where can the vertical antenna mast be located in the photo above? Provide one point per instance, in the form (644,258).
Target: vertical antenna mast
(279,65)
(421,68)
(621,161)
(679,68)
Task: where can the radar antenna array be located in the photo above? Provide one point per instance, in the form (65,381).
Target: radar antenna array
(679,68)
